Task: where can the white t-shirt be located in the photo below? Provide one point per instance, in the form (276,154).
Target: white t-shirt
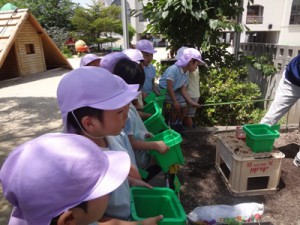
(193,87)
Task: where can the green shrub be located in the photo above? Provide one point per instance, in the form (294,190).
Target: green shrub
(225,85)
(66,52)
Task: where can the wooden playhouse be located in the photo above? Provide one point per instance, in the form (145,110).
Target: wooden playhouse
(25,48)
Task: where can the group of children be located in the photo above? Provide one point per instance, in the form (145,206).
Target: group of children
(83,175)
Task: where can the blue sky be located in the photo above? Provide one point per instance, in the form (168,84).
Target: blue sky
(82,2)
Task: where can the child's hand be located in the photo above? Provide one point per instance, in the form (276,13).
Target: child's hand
(162,147)
(157,92)
(140,183)
(176,106)
(148,135)
(152,220)
(134,173)
(195,104)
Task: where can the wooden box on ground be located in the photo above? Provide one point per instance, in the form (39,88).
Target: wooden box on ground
(246,172)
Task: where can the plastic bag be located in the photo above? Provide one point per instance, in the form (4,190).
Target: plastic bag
(213,214)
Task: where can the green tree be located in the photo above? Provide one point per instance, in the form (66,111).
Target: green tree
(97,23)
(196,23)
(49,13)
(53,15)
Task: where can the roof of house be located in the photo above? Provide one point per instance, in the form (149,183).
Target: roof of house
(11,23)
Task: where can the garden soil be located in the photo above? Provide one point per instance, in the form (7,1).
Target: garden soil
(28,109)
(203,185)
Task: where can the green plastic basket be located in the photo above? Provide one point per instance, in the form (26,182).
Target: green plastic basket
(260,137)
(150,97)
(147,203)
(155,123)
(174,155)
(159,99)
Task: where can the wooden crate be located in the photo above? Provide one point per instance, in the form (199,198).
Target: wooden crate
(245,172)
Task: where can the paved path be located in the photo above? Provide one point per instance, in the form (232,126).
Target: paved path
(28,109)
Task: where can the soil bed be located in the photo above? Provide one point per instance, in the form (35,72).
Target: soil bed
(203,185)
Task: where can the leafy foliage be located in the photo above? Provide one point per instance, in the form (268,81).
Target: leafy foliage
(58,35)
(262,63)
(224,85)
(49,13)
(195,23)
(97,23)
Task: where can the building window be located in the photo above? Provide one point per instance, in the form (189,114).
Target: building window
(295,12)
(29,48)
(281,51)
(255,14)
(279,66)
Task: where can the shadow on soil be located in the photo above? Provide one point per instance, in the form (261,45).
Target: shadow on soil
(203,185)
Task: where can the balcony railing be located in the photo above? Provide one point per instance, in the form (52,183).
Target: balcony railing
(254,19)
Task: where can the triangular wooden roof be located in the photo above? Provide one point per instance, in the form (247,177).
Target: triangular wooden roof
(11,23)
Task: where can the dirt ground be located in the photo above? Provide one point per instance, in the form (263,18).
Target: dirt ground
(203,185)
(28,109)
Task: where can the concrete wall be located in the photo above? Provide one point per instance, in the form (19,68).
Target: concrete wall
(281,55)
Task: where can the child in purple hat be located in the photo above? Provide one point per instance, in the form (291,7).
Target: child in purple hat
(90,60)
(147,49)
(135,55)
(175,79)
(193,89)
(61,179)
(94,103)
(137,133)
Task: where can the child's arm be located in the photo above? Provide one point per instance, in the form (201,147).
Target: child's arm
(133,172)
(136,104)
(172,94)
(138,182)
(154,88)
(144,115)
(187,97)
(159,146)
(148,221)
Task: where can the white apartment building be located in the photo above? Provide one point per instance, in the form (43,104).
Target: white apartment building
(272,21)
(269,21)
(138,22)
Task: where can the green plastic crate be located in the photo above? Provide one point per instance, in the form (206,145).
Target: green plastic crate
(174,155)
(155,123)
(150,97)
(159,99)
(147,203)
(260,137)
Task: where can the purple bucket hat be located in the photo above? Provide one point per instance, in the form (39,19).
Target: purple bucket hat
(110,60)
(187,55)
(88,58)
(180,52)
(94,87)
(134,54)
(145,46)
(55,172)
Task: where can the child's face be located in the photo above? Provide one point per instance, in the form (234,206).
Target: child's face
(147,58)
(192,65)
(94,63)
(114,120)
(95,211)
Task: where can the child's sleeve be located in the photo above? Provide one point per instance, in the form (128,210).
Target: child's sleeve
(171,73)
(128,126)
